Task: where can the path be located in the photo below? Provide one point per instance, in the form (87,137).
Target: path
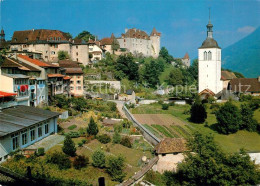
(119,106)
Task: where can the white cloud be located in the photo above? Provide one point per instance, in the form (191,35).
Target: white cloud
(246,29)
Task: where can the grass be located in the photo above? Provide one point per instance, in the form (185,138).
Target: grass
(163,130)
(152,130)
(72,127)
(250,141)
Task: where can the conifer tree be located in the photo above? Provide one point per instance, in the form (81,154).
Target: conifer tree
(69,146)
(92,129)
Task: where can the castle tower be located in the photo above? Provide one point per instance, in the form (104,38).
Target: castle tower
(2,35)
(210,63)
(156,42)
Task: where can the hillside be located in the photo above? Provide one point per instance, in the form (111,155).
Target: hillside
(244,55)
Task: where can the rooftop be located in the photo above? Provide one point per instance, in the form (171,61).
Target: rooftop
(11,63)
(209,43)
(171,145)
(19,117)
(245,85)
(226,75)
(6,94)
(36,61)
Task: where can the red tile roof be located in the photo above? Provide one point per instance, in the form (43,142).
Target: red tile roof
(106,41)
(186,56)
(36,61)
(6,94)
(207,91)
(55,75)
(154,32)
(171,145)
(226,75)
(135,33)
(245,85)
(66,77)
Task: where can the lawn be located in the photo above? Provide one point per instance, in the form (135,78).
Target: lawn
(250,141)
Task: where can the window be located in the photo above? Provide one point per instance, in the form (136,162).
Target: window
(55,46)
(205,55)
(77,53)
(32,133)
(78,82)
(52,53)
(78,87)
(71,82)
(76,47)
(39,131)
(37,38)
(71,88)
(15,141)
(77,59)
(209,56)
(24,138)
(26,39)
(90,49)
(46,127)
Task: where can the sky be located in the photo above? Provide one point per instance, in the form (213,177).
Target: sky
(182,23)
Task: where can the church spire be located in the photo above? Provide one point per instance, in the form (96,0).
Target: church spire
(209,28)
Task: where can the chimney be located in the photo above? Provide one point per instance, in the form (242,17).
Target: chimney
(126,30)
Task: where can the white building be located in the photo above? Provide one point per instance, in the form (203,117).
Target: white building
(137,41)
(209,55)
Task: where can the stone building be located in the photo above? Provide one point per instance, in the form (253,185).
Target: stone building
(186,60)
(139,42)
(48,43)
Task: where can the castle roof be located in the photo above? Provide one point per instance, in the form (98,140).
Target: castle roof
(135,33)
(186,56)
(10,63)
(71,67)
(154,32)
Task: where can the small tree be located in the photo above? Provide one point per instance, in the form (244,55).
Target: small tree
(63,55)
(116,138)
(229,118)
(198,112)
(92,129)
(248,122)
(126,142)
(59,159)
(69,146)
(80,162)
(104,138)
(99,159)
(115,166)
(165,106)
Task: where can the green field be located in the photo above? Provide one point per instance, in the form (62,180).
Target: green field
(250,141)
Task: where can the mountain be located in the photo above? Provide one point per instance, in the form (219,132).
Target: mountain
(244,55)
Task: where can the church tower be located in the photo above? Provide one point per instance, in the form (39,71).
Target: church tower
(210,63)
(2,35)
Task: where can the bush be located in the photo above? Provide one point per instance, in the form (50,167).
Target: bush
(198,112)
(69,146)
(126,141)
(18,157)
(40,152)
(244,97)
(92,129)
(80,162)
(83,141)
(165,106)
(72,127)
(59,159)
(112,106)
(248,122)
(73,134)
(118,127)
(126,124)
(80,144)
(99,159)
(160,102)
(115,167)
(254,104)
(104,138)
(229,118)
(116,138)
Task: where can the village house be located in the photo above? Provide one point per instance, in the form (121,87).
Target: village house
(48,43)
(186,60)
(75,75)
(245,86)
(128,96)
(226,77)
(106,44)
(21,126)
(170,153)
(95,50)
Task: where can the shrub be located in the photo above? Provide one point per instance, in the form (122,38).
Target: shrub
(112,106)
(126,123)
(244,97)
(60,159)
(40,152)
(171,103)
(83,141)
(118,127)
(18,157)
(126,141)
(80,162)
(72,127)
(254,104)
(165,106)
(198,112)
(115,167)
(248,122)
(73,134)
(92,129)
(160,102)
(99,159)
(229,118)
(116,138)
(104,138)
(69,146)
(80,144)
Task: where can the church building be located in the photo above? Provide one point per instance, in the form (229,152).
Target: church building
(209,58)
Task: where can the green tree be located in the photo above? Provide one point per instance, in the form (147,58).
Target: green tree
(99,159)
(79,103)
(58,158)
(151,73)
(63,55)
(68,35)
(229,118)
(208,165)
(115,167)
(248,122)
(116,138)
(126,141)
(198,113)
(115,45)
(92,129)
(126,67)
(85,35)
(175,77)
(165,55)
(69,146)
(80,162)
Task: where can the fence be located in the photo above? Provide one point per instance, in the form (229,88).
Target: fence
(146,133)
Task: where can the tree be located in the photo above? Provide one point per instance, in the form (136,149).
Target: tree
(116,138)
(69,146)
(115,167)
(59,159)
(126,142)
(92,128)
(63,55)
(79,103)
(85,35)
(165,55)
(151,73)
(229,118)
(68,35)
(115,45)
(209,165)
(248,122)
(126,67)
(99,159)
(175,77)
(80,162)
(198,112)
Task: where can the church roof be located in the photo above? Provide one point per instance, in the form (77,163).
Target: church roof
(209,43)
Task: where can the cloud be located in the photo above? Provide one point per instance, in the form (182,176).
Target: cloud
(246,29)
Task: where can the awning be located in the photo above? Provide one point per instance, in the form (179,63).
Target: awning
(6,94)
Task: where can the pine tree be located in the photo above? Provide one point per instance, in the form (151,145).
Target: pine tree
(198,112)
(69,146)
(92,129)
